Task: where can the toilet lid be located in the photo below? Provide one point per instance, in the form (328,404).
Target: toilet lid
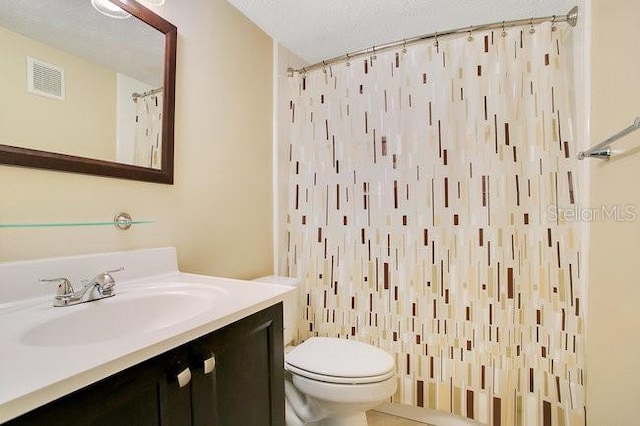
(340,361)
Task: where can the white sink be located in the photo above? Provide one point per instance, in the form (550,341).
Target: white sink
(47,352)
(129,313)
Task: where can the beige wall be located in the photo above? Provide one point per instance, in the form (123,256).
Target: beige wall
(84,123)
(219,212)
(286,59)
(613,345)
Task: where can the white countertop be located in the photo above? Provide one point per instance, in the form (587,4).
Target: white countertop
(31,376)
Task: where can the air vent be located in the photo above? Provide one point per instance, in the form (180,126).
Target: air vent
(45,79)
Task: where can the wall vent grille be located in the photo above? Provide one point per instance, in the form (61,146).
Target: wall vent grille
(45,79)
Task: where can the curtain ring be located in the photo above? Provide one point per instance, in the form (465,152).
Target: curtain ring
(531,30)
(470,36)
(436,43)
(553,23)
(373,54)
(324,67)
(504,31)
(348,60)
(404,45)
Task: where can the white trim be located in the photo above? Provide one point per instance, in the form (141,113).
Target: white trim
(276,163)
(583,62)
(584,121)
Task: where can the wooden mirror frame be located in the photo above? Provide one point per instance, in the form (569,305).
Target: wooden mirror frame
(26,157)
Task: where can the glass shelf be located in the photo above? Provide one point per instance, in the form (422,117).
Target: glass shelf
(68,224)
(122,221)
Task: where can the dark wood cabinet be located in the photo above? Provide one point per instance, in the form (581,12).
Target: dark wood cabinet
(246,387)
(237,378)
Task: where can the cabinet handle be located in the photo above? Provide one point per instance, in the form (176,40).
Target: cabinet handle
(184,377)
(209,364)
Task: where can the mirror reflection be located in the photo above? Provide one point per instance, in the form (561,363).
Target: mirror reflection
(78,82)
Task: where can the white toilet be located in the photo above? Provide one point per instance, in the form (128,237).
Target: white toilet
(331,381)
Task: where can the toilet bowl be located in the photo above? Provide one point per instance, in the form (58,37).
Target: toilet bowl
(331,381)
(335,381)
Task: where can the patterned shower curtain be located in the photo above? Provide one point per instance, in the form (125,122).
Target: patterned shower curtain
(431,195)
(148,142)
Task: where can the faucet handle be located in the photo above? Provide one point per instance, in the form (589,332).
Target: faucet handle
(106,281)
(65,289)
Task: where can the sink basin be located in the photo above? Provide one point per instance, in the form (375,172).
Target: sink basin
(125,315)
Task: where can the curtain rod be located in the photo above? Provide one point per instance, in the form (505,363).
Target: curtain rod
(571,18)
(136,95)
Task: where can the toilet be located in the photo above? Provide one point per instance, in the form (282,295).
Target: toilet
(331,381)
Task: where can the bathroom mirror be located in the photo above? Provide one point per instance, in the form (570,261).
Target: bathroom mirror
(88,93)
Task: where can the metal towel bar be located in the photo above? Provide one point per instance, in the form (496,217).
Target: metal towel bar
(602,150)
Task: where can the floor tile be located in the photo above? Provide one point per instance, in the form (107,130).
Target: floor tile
(376,418)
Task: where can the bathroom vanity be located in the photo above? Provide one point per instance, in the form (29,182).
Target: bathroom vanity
(236,379)
(175,349)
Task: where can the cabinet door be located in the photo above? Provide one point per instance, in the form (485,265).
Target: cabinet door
(143,395)
(246,387)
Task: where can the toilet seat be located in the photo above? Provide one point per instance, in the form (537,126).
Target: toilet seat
(340,361)
(337,379)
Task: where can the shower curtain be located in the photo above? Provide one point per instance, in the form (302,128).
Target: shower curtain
(432,196)
(148,142)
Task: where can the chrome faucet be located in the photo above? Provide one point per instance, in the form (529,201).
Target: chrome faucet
(100,287)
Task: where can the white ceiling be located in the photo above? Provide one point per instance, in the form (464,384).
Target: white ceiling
(321,29)
(128,46)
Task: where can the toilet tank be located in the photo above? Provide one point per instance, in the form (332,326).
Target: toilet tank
(290,305)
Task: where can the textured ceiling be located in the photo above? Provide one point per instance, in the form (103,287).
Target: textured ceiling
(320,29)
(128,46)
